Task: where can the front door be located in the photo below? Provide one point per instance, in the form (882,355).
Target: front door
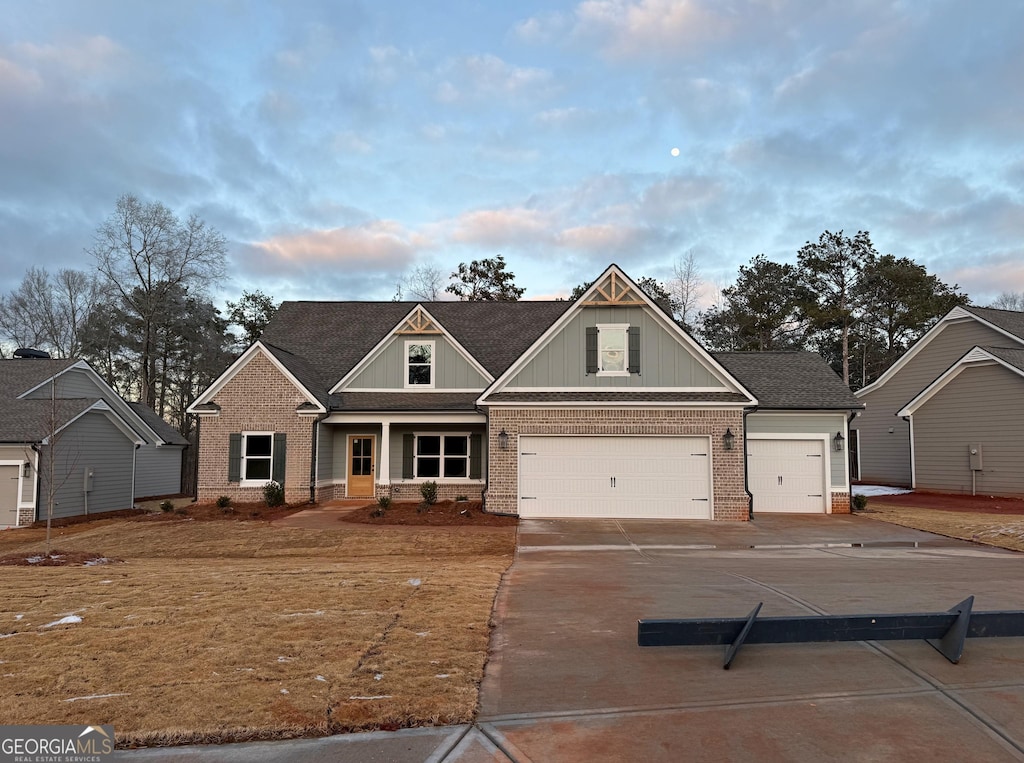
(9,495)
(360,465)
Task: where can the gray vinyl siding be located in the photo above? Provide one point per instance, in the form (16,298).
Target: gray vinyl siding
(70,384)
(884,455)
(814,425)
(91,441)
(157,470)
(325,454)
(398,431)
(21,453)
(982,405)
(664,362)
(387,370)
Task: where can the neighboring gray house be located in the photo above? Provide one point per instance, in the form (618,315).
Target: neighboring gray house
(958,386)
(158,467)
(601,407)
(61,414)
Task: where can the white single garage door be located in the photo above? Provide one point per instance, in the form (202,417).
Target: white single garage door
(787,475)
(9,495)
(615,477)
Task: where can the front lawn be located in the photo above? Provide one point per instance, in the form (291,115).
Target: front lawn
(222,631)
(1005,530)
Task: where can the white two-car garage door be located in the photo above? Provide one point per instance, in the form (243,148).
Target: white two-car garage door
(615,477)
(787,475)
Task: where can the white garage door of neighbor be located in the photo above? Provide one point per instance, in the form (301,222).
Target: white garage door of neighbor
(615,477)
(787,475)
(9,495)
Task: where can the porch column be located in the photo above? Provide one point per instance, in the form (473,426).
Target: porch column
(384,465)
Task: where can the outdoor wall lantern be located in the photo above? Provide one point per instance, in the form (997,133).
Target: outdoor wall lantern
(503,440)
(837,442)
(728,439)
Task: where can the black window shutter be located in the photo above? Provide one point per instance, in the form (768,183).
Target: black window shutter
(592,367)
(235,457)
(408,444)
(634,350)
(476,452)
(280,458)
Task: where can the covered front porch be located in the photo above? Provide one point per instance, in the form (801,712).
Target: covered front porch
(370,454)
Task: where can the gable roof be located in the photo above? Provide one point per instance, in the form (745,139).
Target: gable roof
(167,433)
(612,287)
(1011,358)
(1009,323)
(26,421)
(20,375)
(798,380)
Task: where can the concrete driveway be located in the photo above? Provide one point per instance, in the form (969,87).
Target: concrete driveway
(567,682)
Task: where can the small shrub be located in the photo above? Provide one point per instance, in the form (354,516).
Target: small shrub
(224,502)
(460,498)
(429,492)
(860,502)
(166,506)
(273,493)
(382,505)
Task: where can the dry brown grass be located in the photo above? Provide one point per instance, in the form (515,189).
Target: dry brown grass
(221,631)
(1002,530)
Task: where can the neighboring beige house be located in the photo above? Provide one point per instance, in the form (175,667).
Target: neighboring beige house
(958,386)
(103,453)
(602,407)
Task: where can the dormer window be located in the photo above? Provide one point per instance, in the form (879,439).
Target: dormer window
(419,364)
(613,349)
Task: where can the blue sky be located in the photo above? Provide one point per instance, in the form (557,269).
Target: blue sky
(339,144)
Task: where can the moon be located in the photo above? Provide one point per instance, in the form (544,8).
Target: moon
(674,152)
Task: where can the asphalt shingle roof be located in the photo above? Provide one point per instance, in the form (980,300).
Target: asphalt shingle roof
(601,396)
(1012,355)
(32,420)
(789,380)
(20,375)
(404,401)
(320,342)
(166,432)
(1011,321)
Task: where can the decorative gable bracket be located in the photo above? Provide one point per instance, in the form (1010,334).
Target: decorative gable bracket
(613,291)
(418,322)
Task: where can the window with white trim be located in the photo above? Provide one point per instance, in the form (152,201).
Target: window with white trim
(613,349)
(419,363)
(442,455)
(257,456)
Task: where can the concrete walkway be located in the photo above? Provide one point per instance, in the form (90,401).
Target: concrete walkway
(322,516)
(566,681)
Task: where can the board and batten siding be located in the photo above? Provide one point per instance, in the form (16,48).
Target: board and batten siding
(885,455)
(91,441)
(325,454)
(815,425)
(157,471)
(387,370)
(985,405)
(664,362)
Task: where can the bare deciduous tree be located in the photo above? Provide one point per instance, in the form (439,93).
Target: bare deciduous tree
(144,253)
(48,311)
(424,282)
(1009,300)
(686,288)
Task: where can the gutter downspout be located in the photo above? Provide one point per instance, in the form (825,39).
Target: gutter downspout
(135,455)
(853,415)
(746,465)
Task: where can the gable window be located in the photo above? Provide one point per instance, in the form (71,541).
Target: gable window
(613,349)
(257,455)
(419,364)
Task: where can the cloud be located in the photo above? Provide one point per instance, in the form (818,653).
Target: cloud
(651,28)
(487,76)
(502,227)
(383,244)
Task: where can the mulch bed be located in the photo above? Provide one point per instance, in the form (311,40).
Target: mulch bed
(450,513)
(977,504)
(56,559)
(207,512)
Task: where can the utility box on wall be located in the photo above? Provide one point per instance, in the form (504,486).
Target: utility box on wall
(974,451)
(89,474)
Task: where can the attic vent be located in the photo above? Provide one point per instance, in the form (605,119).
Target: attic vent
(418,322)
(29,353)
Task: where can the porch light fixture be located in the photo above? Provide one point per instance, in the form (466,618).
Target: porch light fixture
(728,439)
(837,442)
(503,439)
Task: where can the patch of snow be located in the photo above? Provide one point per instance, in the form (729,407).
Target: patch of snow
(870,490)
(285,659)
(96,696)
(319,678)
(284,691)
(421,634)
(35,559)
(442,675)
(247,670)
(377,696)
(378,677)
(18,617)
(69,620)
(95,562)
(7,635)
(414,581)
(311,613)
(106,581)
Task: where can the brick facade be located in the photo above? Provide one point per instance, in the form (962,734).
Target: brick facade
(840,503)
(729,496)
(258,399)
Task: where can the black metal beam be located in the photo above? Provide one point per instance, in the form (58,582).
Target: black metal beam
(946,631)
